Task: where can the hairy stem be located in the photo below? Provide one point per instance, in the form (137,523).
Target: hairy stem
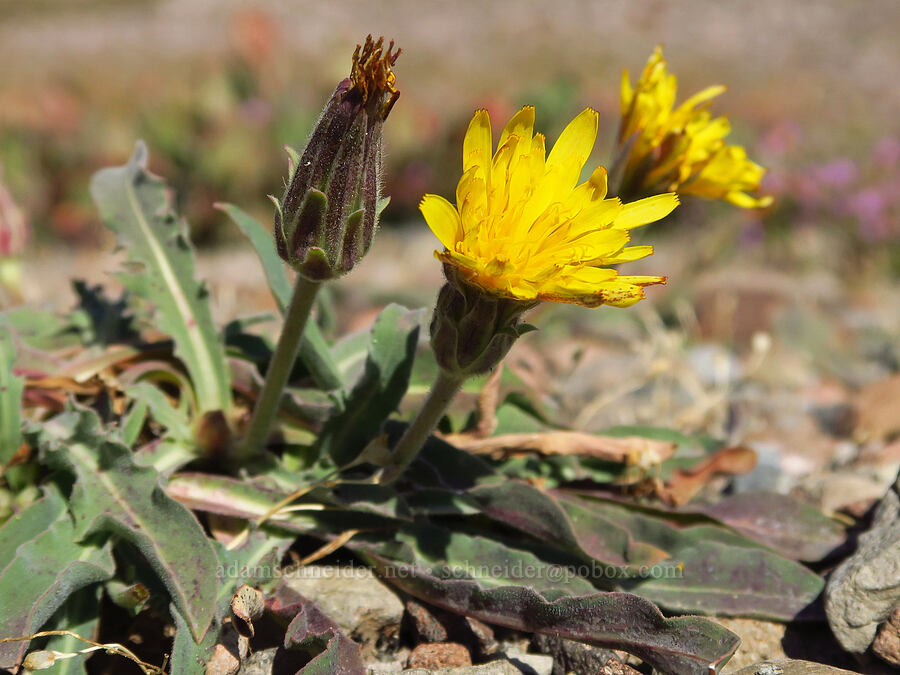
(445,388)
(279,369)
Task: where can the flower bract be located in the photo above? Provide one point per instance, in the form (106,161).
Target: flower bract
(524,228)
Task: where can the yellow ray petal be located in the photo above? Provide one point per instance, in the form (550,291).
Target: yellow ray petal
(521,125)
(576,141)
(627,254)
(443,219)
(477,144)
(642,280)
(702,96)
(646,211)
(626,93)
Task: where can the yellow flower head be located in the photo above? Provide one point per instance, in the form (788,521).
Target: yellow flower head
(681,148)
(522,227)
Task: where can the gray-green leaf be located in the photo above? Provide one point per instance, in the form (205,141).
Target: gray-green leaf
(135,204)
(43,572)
(392,349)
(113,494)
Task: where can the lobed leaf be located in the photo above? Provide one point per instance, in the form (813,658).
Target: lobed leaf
(312,631)
(680,646)
(43,571)
(114,495)
(136,205)
(794,529)
(81,615)
(575,530)
(378,392)
(242,499)
(722,573)
(253,563)
(175,422)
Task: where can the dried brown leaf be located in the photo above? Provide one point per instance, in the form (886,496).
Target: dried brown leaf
(628,450)
(878,410)
(486,407)
(685,483)
(247,605)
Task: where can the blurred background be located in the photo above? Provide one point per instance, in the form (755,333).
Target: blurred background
(774,322)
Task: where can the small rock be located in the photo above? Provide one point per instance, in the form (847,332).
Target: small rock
(439,655)
(760,641)
(353,597)
(617,668)
(384,668)
(223,662)
(483,634)
(260,662)
(865,588)
(431,624)
(499,667)
(887,641)
(573,656)
(424,625)
(533,664)
(791,667)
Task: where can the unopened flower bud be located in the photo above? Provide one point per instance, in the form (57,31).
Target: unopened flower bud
(472,330)
(325,223)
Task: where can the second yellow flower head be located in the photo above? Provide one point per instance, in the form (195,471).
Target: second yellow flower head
(681,148)
(523,228)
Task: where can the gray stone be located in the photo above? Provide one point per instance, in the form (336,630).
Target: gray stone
(353,597)
(791,667)
(499,667)
(384,668)
(259,663)
(573,656)
(864,589)
(533,664)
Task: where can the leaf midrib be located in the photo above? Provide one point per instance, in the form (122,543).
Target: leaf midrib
(210,400)
(87,460)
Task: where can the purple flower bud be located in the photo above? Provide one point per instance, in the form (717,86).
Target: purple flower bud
(325,223)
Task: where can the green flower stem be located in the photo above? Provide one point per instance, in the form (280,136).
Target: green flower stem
(445,388)
(279,368)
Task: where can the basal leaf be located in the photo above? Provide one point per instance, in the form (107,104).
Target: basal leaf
(43,330)
(722,573)
(132,422)
(264,245)
(378,392)
(794,529)
(349,354)
(11,387)
(176,423)
(189,655)
(575,530)
(113,494)
(81,615)
(136,206)
(241,499)
(43,572)
(253,563)
(680,646)
(314,351)
(311,630)
(441,465)
(29,523)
